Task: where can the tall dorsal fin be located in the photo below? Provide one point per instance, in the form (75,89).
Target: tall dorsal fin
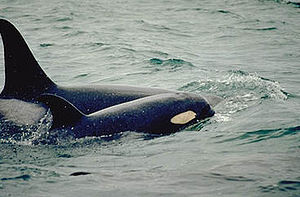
(63,112)
(24,78)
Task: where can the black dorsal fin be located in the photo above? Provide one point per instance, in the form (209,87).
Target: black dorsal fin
(24,78)
(63,112)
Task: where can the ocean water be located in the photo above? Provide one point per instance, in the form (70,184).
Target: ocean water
(245,51)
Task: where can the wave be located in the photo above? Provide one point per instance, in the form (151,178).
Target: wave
(239,89)
(24,177)
(282,186)
(264,134)
(169,64)
(229,177)
(294,3)
(239,83)
(261,29)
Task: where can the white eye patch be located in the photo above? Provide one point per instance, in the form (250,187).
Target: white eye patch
(183,117)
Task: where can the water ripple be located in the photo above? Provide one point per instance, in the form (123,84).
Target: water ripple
(170,64)
(265,134)
(284,185)
(79,173)
(294,3)
(44,45)
(262,29)
(24,177)
(230,13)
(230,177)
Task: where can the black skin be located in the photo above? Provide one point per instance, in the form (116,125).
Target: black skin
(150,114)
(25,80)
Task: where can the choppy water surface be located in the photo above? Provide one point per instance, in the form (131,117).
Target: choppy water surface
(246,52)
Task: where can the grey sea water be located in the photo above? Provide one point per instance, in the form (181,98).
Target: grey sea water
(245,51)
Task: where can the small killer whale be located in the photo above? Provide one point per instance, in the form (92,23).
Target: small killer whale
(25,82)
(157,114)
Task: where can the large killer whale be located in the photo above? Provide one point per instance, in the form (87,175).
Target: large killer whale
(25,80)
(26,84)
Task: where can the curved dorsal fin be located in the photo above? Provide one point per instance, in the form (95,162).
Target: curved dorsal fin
(24,78)
(63,112)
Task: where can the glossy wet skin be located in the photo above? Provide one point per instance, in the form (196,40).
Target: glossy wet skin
(158,114)
(25,81)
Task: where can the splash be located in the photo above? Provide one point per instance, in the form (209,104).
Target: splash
(241,84)
(13,133)
(240,91)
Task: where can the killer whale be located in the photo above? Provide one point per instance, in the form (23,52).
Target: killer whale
(25,81)
(157,114)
